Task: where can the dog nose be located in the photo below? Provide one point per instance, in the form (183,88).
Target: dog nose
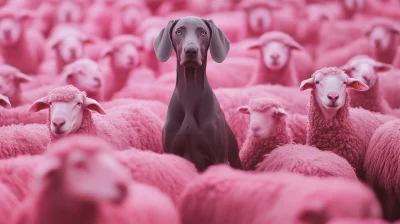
(333,97)
(58,122)
(275,56)
(191,50)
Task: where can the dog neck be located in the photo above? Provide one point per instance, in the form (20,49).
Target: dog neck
(190,84)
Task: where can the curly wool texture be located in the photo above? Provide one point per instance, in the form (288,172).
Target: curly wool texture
(169,173)
(347,134)
(307,160)
(16,140)
(225,195)
(64,94)
(254,149)
(263,104)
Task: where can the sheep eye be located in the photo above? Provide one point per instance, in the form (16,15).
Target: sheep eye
(79,104)
(50,103)
(203,33)
(179,32)
(317,82)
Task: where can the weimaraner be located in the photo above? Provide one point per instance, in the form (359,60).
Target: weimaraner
(195,127)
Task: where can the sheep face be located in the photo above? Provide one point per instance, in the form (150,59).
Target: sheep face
(330,89)
(125,56)
(70,47)
(70,12)
(259,19)
(131,16)
(263,123)
(221,5)
(10,30)
(365,69)
(276,55)
(92,177)
(381,38)
(354,5)
(66,110)
(10,80)
(85,75)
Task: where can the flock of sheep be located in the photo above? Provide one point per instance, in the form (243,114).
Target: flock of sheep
(89,90)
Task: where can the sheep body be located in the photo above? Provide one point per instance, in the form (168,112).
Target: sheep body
(306,160)
(218,196)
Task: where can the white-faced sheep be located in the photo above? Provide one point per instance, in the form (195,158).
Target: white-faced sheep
(10,83)
(67,189)
(275,64)
(224,195)
(381,167)
(368,70)
(70,113)
(306,160)
(332,126)
(21,47)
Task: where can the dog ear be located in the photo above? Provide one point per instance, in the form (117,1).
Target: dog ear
(163,43)
(219,44)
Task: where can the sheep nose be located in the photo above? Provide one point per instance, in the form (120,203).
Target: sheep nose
(255,129)
(7,33)
(122,193)
(377,42)
(275,56)
(58,122)
(73,51)
(68,16)
(260,22)
(333,97)
(191,50)
(97,82)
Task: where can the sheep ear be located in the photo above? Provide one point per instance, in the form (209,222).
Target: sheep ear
(254,45)
(91,104)
(382,67)
(40,104)
(163,43)
(25,15)
(280,112)
(87,39)
(313,212)
(106,52)
(243,110)
(357,85)
(22,78)
(346,68)
(54,42)
(4,101)
(295,45)
(307,84)
(219,44)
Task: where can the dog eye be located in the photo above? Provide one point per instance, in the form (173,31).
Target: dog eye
(203,33)
(179,32)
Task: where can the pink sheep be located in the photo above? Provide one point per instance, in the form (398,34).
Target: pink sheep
(123,54)
(69,45)
(332,125)
(389,82)
(382,39)
(381,165)
(20,115)
(51,13)
(396,60)
(84,74)
(74,169)
(20,47)
(224,195)
(275,65)
(367,69)
(16,140)
(167,172)
(306,160)
(8,205)
(150,91)
(127,17)
(268,130)
(232,98)
(70,113)
(10,83)
(4,101)
(99,17)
